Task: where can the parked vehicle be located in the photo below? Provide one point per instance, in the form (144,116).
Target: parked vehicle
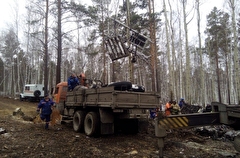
(32,92)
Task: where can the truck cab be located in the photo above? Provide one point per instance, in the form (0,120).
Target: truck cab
(32,92)
(59,94)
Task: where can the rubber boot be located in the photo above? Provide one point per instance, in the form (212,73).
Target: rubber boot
(46,126)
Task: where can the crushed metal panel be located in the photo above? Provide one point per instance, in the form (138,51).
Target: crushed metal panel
(116,48)
(120,45)
(138,39)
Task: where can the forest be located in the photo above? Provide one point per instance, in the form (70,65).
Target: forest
(55,38)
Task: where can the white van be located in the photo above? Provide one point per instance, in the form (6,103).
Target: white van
(32,92)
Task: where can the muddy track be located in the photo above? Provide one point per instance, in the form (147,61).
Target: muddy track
(25,139)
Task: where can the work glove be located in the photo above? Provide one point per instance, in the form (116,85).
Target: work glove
(38,111)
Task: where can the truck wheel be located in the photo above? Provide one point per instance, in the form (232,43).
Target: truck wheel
(236,143)
(37,93)
(78,120)
(91,124)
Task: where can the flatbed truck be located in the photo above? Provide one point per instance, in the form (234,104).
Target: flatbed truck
(106,109)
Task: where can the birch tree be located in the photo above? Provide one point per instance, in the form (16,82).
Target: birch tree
(202,86)
(188,70)
(46,49)
(169,55)
(232,6)
(180,55)
(174,60)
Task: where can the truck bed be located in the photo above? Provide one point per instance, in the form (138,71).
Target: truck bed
(108,97)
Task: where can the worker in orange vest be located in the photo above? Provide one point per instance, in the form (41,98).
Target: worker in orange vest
(168,108)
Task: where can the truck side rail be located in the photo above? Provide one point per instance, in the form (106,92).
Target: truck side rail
(108,97)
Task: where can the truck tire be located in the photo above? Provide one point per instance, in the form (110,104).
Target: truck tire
(78,121)
(91,124)
(121,86)
(37,93)
(236,143)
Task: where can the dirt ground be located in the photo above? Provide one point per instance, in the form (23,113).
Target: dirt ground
(21,138)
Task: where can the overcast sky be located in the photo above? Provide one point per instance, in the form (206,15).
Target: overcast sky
(7,10)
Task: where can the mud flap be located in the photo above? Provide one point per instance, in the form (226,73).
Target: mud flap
(107,121)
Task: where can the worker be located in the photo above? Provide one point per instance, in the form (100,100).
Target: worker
(46,105)
(181,103)
(82,79)
(208,108)
(175,108)
(152,113)
(168,108)
(72,82)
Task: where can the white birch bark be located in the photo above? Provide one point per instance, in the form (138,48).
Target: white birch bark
(170,77)
(202,89)
(235,50)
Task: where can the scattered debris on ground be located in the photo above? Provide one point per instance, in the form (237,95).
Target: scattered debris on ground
(20,137)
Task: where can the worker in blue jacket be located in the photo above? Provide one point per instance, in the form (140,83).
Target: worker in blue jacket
(181,103)
(72,82)
(45,105)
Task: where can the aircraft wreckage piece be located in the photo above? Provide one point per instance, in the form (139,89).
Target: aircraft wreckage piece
(119,45)
(220,114)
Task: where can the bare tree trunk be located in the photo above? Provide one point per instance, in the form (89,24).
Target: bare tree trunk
(228,79)
(130,64)
(152,26)
(104,77)
(46,50)
(13,84)
(235,49)
(27,48)
(188,83)
(4,79)
(15,51)
(218,78)
(170,75)
(202,87)
(59,49)
(174,60)
(181,90)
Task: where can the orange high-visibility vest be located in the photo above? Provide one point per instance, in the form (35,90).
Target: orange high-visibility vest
(167,109)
